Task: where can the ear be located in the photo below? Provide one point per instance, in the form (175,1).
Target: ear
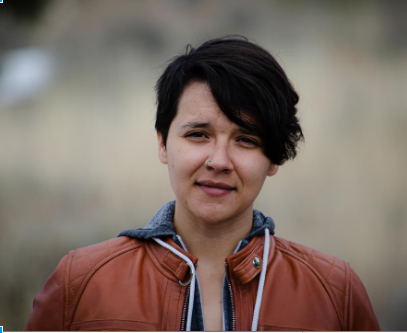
(273,170)
(162,151)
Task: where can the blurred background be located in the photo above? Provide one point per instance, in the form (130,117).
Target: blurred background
(78,156)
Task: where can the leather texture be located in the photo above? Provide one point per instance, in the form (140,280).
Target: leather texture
(130,284)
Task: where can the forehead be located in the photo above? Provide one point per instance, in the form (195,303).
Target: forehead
(197,99)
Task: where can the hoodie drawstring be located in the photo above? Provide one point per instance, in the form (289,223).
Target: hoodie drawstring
(260,288)
(191,280)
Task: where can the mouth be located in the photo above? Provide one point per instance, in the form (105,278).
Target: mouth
(215,189)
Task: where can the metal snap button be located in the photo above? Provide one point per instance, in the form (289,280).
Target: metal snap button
(256,263)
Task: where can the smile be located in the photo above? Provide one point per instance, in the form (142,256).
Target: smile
(215,189)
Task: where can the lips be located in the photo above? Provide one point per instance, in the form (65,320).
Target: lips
(215,189)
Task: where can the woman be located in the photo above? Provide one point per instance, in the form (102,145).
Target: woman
(226,119)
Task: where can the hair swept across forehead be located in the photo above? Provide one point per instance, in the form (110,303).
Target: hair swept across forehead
(248,84)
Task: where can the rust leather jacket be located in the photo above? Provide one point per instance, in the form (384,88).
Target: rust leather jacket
(137,284)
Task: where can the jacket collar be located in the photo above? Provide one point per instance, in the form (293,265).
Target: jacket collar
(240,263)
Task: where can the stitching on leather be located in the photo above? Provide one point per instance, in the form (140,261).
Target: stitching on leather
(93,265)
(340,303)
(175,271)
(74,294)
(336,299)
(104,249)
(168,305)
(309,256)
(69,308)
(73,290)
(337,288)
(240,316)
(329,263)
(322,282)
(108,247)
(180,301)
(87,259)
(179,268)
(169,285)
(78,277)
(80,285)
(102,320)
(112,328)
(295,328)
(330,270)
(313,256)
(347,275)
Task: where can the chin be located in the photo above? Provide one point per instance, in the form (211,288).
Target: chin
(215,213)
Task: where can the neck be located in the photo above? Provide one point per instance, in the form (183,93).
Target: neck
(213,241)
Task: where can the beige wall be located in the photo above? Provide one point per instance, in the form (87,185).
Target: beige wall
(78,160)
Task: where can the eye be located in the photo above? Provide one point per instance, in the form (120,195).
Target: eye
(196,135)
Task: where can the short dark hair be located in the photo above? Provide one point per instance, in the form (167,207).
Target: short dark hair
(248,84)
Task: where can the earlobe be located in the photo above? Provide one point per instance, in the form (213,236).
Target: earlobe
(162,151)
(273,170)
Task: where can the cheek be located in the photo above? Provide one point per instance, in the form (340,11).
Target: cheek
(255,173)
(182,164)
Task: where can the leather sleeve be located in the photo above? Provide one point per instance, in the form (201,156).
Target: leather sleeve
(361,315)
(48,306)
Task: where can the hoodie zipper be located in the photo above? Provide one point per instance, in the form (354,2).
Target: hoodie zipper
(231,297)
(184,310)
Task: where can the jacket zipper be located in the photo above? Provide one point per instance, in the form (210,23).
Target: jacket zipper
(184,310)
(231,297)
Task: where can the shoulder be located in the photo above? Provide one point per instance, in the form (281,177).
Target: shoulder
(333,273)
(83,261)
(100,251)
(55,303)
(338,279)
(331,270)
(83,264)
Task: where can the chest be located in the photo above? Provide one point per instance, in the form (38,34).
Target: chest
(211,282)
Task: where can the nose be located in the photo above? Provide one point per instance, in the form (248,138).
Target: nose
(220,159)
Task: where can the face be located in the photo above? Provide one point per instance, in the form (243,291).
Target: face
(225,188)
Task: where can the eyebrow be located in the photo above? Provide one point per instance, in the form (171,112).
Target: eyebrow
(195,125)
(207,125)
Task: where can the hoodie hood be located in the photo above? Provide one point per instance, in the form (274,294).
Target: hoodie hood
(161,225)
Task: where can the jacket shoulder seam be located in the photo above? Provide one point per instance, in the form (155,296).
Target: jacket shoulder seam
(324,283)
(276,326)
(70,310)
(309,256)
(90,267)
(119,320)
